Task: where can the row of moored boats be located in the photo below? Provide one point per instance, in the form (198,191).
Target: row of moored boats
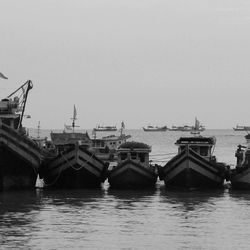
(74,160)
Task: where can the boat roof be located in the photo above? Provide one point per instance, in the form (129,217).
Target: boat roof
(66,138)
(196,140)
(134,145)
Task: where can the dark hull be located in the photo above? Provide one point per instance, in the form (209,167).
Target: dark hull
(131,175)
(155,130)
(75,168)
(20,159)
(189,170)
(240,179)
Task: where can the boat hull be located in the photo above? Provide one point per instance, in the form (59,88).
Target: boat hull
(129,174)
(20,159)
(240,178)
(162,129)
(191,171)
(74,168)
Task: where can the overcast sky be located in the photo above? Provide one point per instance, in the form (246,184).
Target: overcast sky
(160,62)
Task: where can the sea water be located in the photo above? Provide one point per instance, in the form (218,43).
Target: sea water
(126,219)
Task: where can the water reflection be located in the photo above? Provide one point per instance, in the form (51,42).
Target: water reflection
(18,216)
(242,196)
(190,199)
(71,197)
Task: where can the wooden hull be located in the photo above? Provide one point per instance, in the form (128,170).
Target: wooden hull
(191,171)
(74,168)
(20,160)
(240,179)
(131,175)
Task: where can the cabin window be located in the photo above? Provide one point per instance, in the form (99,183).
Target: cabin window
(142,157)
(204,151)
(182,148)
(133,156)
(124,156)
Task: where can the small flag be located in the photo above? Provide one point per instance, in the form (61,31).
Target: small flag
(3,76)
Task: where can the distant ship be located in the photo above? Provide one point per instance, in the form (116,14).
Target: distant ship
(241,128)
(154,128)
(105,128)
(198,127)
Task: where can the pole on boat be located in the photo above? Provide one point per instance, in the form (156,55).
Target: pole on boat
(30,86)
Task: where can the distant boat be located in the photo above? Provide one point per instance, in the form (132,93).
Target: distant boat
(105,128)
(105,148)
(151,128)
(133,169)
(241,128)
(198,127)
(194,166)
(74,165)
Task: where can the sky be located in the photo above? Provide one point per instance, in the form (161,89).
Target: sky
(158,62)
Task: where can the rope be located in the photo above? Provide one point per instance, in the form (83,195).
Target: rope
(163,154)
(80,166)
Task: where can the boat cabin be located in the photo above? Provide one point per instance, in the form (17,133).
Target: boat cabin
(135,151)
(9,112)
(201,145)
(64,140)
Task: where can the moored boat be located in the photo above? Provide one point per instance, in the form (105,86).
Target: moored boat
(194,166)
(240,175)
(133,169)
(20,156)
(74,165)
(151,128)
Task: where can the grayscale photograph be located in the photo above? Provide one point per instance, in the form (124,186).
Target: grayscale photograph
(124,124)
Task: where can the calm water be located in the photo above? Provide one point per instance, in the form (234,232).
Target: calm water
(148,219)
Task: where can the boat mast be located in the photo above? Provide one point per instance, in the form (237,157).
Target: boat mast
(38,130)
(74,119)
(25,95)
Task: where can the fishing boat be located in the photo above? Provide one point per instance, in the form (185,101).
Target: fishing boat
(105,128)
(133,169)
(240,175)
(151,128)
(20,156)
(194,166)
(198,127)
(241,128)
(74,165)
